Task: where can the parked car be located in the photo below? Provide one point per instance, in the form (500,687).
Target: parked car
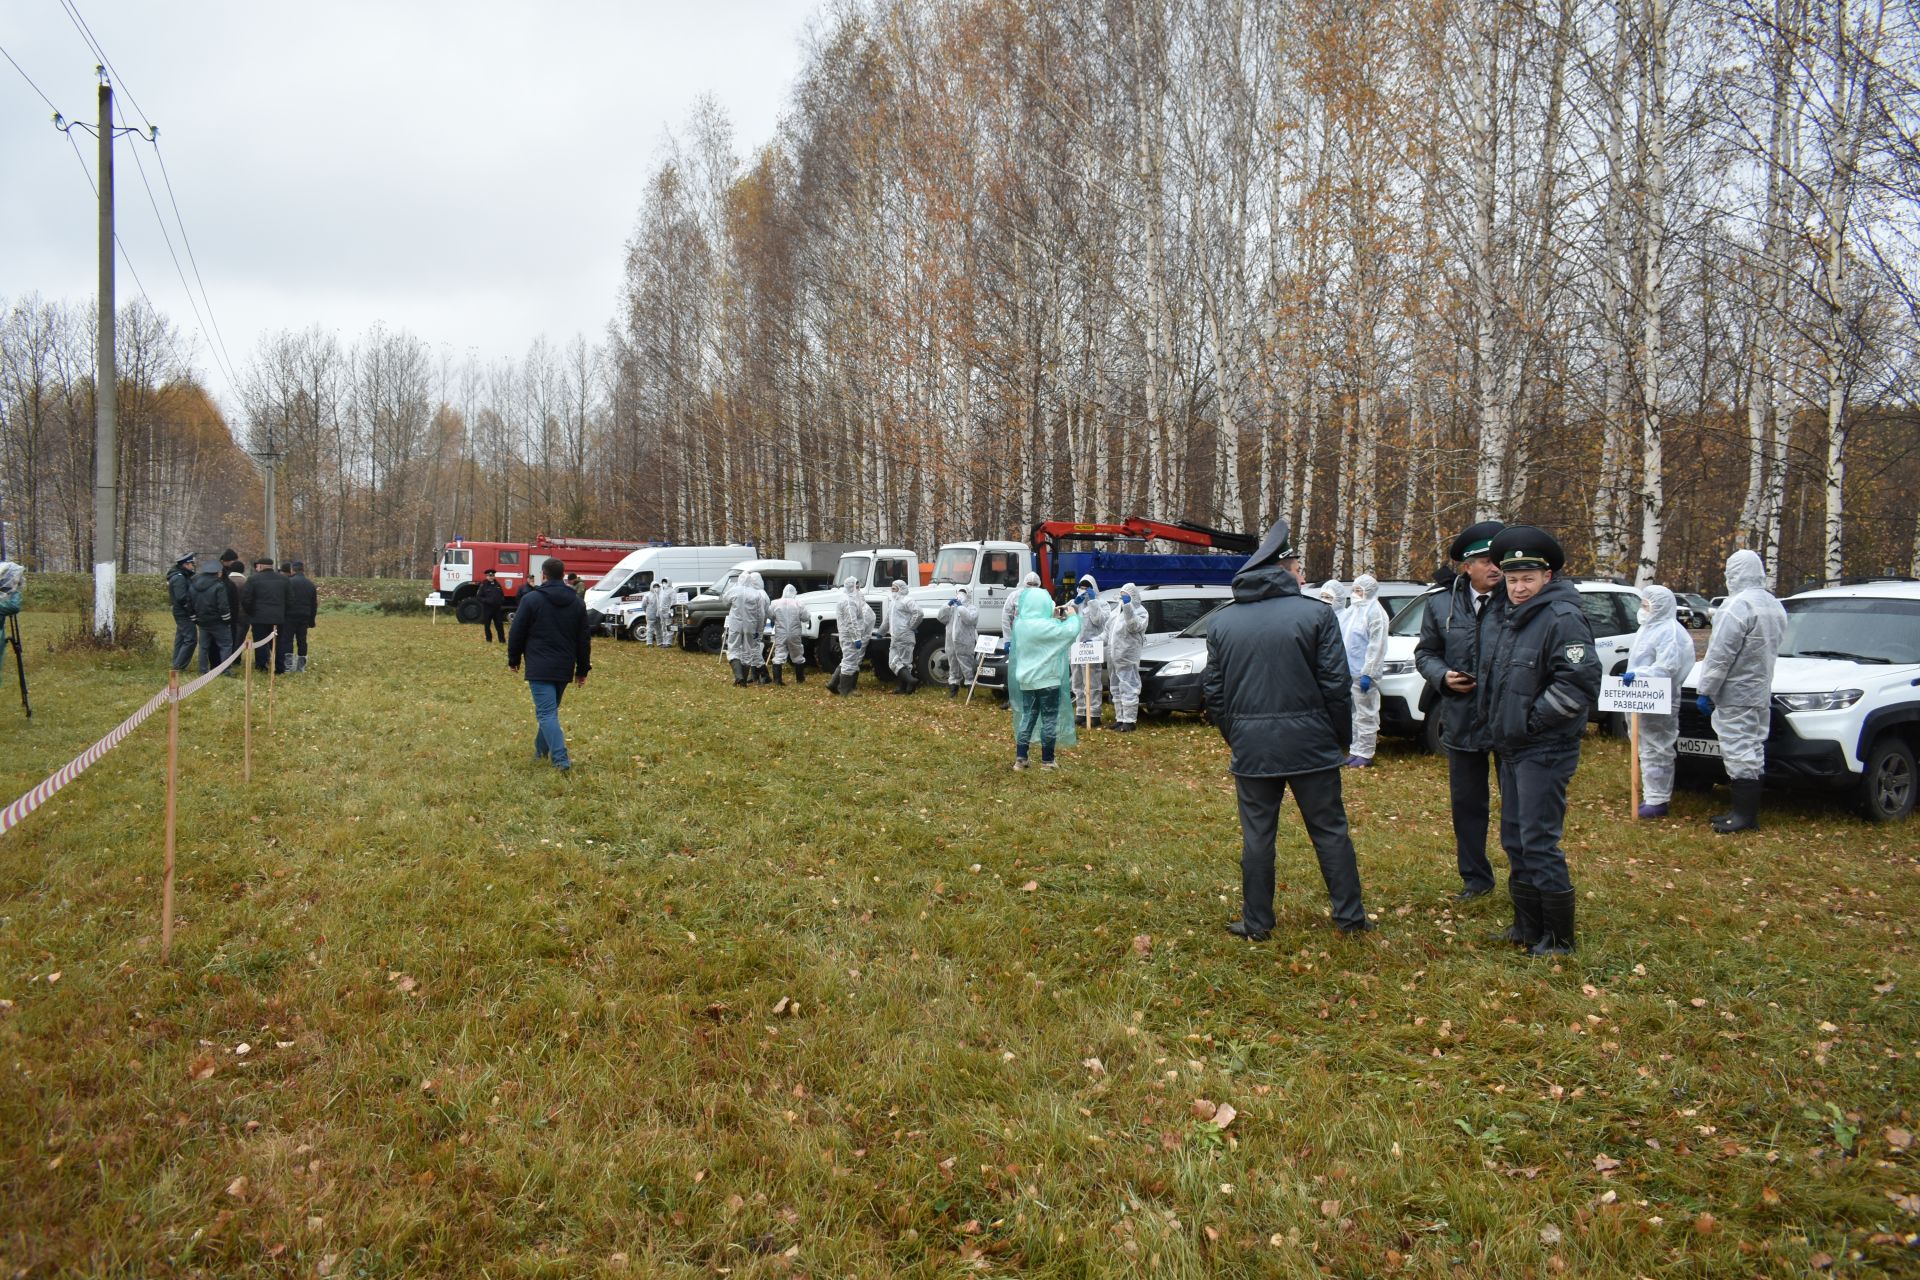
(1405,699)
(1693,610)
(700,623)
(1172,669)
(1846,700)
(1171,610)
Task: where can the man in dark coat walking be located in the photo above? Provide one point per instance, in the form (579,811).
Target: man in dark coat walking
(550,632)
(1539,680)
(212,614)
(180,597)
(491,599)
(303,610)
(1278,690)
(1452,631)
(265,600)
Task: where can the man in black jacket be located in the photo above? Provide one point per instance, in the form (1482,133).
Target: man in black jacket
(1539,680)
(212,614)
(1277,688)
(491,599)
(550,631)
(180,597)
(265,600)
(303,610)
(1448,654)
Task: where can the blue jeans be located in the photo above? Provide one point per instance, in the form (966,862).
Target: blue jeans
(1041,709)
(547,738)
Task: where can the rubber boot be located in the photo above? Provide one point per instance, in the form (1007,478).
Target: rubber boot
(777,679)
(1556,925)
(851,684)
(906,683)
(799,673)
(953,691)
(739,673)
(1746,808)
(1525,929)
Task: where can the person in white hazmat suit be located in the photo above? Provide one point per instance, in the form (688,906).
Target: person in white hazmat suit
(1125,633)
(1363,630)
(903,633)
(746,619)
(855,620)
(652,611)
(663,631)
(789,646)
(1661,654)
(1328,593)
(1736,683)
(961,617)
(1089,683)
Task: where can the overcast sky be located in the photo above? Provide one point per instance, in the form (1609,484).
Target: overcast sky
(467,171)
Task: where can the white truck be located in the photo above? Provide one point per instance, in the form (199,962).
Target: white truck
(989,571)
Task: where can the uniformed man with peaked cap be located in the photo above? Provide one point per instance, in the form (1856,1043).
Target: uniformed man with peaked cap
(1447,657)
(1538,681)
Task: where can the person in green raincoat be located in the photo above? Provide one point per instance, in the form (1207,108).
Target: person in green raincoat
(1038,672)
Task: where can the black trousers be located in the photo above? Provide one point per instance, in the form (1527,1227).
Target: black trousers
(492,626)
(299,639)
(186,637)
(1325,815)
(1533,813)
(275,653)
(1468,784)
(216,642)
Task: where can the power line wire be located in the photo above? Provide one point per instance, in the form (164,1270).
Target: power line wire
(100,52)
(29,79)
(192,261)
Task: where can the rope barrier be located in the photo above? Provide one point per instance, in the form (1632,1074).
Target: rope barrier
(12,815)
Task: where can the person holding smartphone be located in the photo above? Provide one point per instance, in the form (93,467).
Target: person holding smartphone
(1446,657)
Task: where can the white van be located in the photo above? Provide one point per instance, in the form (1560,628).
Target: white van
(692,567)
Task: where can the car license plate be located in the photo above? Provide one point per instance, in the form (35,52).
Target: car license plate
(1698,747)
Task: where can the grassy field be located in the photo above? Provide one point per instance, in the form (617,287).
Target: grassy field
(778,984)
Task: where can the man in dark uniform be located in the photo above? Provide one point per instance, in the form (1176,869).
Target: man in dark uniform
(1277,688)
(303,611)
(550,631)
(180,596)
(1539,680)
(265,600)
(1447,655)
(491,599)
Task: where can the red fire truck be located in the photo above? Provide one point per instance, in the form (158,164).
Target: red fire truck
(463,565)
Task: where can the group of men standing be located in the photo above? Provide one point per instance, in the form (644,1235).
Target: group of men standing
(216,605)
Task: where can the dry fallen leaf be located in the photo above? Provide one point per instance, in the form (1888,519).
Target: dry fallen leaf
(1898,1139)
(1224,1115)
(1549,1236)
(1820,1261)
(1142,943)
(1094,1065)
(238,1187)
(1907,1201)
(1029,886)
(1705,1224)
(1605,1163)
(1203,1109)
(1329,1208)
(780,1007)
(1697,1003)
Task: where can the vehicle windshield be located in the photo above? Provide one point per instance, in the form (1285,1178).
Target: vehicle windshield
(1198,627)
(854,567)
(955,564)
(612,578)
(1869,629)
(1407,621)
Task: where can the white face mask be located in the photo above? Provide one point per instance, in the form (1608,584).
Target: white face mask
(1646,615)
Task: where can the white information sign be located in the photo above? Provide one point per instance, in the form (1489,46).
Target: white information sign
(1654,697)
(436,601)
(986,644)
(1089,653)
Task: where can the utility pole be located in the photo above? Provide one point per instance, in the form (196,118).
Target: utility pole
(106,459)
(268,461)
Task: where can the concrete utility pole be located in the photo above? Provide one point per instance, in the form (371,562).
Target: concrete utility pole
(106,459)
(268,461)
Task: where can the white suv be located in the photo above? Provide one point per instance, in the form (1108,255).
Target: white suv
(1612,611)
(1846,698)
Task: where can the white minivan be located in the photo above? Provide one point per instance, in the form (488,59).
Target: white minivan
(682,566)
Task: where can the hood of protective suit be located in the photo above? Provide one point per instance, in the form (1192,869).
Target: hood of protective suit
(1331,591)
(1365,587)
(789,593)
(1131,592)
(1660,604)
(1031,580)
(755,581)
(1745,572)
(1087,581)
(851,586)
(899,588)
(960,594)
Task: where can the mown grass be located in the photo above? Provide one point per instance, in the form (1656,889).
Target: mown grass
(505,1024)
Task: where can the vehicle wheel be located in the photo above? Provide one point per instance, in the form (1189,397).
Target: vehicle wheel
(826,650)
(930,664)
(467,610)
(1616,725)
(1430,732)
(637,630)
(1887,787)
(712,637)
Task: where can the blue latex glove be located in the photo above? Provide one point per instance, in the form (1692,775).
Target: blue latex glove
(858,645)
(954,603)
(1125,598)
(1366,684)
(1705,704)
(1626,677)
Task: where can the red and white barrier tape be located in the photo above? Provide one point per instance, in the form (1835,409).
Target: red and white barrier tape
(26,804)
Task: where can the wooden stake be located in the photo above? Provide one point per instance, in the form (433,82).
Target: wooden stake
(246,713)
(173,788)
(1633,762)
(273,670)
